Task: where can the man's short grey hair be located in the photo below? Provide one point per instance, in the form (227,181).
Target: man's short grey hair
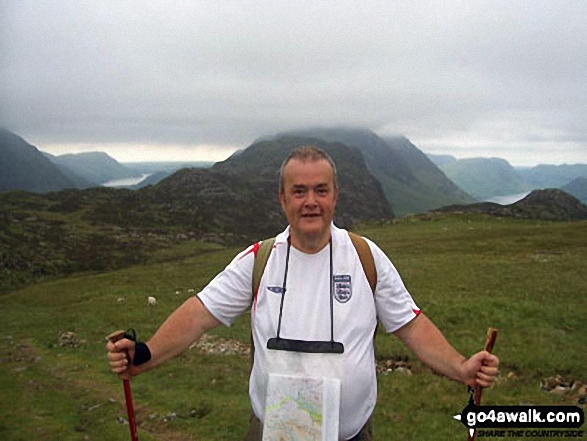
(309,153)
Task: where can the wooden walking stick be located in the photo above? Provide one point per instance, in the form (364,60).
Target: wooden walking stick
(489,342)
(114,337)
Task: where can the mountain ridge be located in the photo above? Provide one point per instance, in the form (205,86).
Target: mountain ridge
(410,181)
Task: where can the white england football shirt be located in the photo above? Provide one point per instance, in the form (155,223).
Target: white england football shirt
(306,312)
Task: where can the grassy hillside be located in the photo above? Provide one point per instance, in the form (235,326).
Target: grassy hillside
(527,278)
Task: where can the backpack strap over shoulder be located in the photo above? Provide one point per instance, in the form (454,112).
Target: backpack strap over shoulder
(261,257)
(366,258)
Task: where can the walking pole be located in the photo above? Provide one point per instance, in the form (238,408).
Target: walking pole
(114,337)
(489,342)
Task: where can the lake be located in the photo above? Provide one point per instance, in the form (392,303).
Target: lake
(508,199)
(127,181)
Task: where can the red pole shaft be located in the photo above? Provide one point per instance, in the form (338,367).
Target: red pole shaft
(130,411)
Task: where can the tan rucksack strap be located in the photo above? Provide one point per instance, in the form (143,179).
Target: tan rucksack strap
(261,257)
(366,258)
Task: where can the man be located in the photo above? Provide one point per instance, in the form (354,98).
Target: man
(313,297)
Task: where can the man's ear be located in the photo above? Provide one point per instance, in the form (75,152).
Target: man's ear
(282,200)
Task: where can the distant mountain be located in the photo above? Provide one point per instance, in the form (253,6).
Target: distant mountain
(410,181)
(79,181)
(441,160)
(96,167)
(553,176)
(490,178)
(578,188)
(549,204)
(361,196)
(484,178)
(24,167)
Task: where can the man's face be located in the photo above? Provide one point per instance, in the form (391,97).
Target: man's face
(308,199)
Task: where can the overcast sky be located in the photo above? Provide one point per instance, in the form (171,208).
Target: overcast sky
(154,80)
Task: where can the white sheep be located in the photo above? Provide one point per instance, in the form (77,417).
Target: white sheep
(152,301)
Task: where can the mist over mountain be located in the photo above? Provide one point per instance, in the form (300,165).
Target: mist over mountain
(410,181)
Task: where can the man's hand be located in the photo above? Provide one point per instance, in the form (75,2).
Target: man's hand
(119,355)
(182,328)
(481,369)
(430,346)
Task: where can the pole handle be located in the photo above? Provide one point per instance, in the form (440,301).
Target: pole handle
(489,343)
(114,337)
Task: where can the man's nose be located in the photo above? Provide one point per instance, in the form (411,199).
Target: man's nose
(311,198)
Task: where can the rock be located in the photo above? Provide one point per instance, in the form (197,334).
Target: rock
(403,371)
(215,345)
(70,339)
(570,388)
(169,417)
(399,365)
(212,238)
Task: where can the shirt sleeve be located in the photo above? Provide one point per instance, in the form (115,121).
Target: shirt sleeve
(229,294)
(395,306)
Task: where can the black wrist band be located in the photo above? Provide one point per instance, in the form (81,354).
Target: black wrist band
(142,353)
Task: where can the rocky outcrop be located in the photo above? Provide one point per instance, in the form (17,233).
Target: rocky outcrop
(550,204)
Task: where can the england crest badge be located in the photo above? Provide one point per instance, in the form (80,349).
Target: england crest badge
(343,289)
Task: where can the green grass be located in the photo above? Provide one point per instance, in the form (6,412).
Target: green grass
(526,278)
